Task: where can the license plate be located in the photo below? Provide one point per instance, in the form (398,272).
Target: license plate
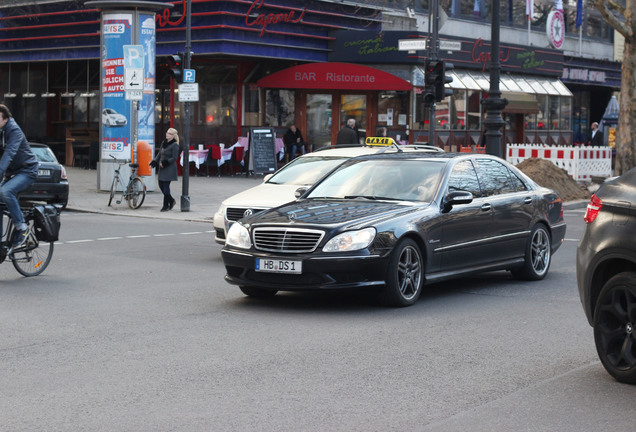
(44,172)
(279,266)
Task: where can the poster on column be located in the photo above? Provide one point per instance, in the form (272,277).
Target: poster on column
(146,118)
(115,123)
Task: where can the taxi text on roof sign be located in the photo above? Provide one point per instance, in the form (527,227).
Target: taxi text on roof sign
(379,141)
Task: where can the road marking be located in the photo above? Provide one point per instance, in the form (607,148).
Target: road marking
(132,237)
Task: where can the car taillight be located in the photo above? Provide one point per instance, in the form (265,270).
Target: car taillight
(593,208)
(63,175)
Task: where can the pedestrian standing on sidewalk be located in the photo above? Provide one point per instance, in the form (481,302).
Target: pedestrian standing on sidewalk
(166,163)
(18,171)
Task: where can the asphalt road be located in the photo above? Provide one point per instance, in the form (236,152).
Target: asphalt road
(133,328)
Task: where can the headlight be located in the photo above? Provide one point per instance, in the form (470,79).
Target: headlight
(350,241)
(238,236)
(221,211)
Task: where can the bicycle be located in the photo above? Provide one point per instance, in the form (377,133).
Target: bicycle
(134,192)
(33,256)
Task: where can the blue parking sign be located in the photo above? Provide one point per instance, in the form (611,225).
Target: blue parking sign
(188,75)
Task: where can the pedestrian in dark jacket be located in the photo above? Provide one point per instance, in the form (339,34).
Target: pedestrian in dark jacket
(348,135)
(294,142)
(18,171)
(166,162)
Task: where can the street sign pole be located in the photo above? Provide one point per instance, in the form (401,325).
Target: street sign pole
(185,193)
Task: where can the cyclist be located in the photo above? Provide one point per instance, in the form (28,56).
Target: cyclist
(18,170)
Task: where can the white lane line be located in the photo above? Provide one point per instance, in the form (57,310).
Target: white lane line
(80,241)
(132,237)
(109,238)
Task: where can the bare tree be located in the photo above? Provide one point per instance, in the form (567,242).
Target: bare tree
(621,14)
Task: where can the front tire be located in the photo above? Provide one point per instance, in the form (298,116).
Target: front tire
(614,327)
(404,277)
(538,255)
(258,292)
(136,193)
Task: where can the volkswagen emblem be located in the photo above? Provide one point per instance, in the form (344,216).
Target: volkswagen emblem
(248,212)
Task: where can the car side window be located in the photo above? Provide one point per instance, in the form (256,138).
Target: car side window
(464,178)
(517,183)
(494,177)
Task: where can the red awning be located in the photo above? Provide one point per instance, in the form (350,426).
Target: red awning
(334,76)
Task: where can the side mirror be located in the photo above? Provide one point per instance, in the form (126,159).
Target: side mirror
(456,198)
(300,192)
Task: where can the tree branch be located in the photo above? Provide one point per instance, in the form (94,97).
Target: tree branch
(624,28)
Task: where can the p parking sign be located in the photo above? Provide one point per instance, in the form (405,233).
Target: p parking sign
(189,75)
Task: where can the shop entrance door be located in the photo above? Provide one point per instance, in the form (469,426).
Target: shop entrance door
(318,120)
(354,106)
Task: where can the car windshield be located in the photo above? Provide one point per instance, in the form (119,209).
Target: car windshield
(305,170)
(383,179)
(44,154)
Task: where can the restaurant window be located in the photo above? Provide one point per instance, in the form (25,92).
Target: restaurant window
(215,116)
(473,112)
(458,113)
(251,105)
(542,115)
(280,107)
(392,109)
(566,113)
(555,118)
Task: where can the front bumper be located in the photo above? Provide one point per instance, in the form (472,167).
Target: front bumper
(318,272)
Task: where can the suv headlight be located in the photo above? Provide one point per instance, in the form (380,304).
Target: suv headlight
(350,241)
(238,236)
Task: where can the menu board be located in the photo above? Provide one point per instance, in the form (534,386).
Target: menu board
(262,150)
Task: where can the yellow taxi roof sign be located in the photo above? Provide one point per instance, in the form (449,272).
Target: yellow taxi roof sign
(379,141)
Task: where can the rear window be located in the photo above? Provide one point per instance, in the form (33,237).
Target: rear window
(43,154)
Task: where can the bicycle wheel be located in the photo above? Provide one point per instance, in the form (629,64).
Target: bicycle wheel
(112,191)
(34,256)
(136,193)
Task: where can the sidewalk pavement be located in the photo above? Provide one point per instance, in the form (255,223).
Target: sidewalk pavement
(206,195)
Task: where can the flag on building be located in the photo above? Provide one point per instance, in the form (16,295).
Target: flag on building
(558,5)
(529,9)
(579,13)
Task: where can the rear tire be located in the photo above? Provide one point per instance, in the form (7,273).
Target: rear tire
(258,292)
(614,327)
(34,256)
(538,255)
(136,193)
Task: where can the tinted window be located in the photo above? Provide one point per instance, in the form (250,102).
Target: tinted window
(494,177)
(464,178)
(43,154)
(518,185)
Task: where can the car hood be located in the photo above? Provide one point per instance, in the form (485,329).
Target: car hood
(332,213)
(265,195)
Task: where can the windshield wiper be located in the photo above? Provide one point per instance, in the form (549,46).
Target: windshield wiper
(372,197)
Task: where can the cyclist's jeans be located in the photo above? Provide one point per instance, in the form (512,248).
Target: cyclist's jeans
(9,190)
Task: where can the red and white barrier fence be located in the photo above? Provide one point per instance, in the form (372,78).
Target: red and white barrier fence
(580,162)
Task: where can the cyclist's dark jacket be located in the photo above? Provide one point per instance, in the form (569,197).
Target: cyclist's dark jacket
(17,156)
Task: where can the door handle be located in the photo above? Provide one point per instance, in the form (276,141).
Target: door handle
(527,200)
(486,207)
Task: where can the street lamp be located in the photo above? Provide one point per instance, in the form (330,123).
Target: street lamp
(494,104)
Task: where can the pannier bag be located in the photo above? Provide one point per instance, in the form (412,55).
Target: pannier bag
(47,222)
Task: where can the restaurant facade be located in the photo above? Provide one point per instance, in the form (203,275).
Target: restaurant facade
(314,63)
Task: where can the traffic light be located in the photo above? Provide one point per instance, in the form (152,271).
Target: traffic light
(176,65)
(441,80)
(436,79)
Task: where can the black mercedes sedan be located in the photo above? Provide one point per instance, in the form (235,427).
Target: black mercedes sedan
(395,222)
(51,186)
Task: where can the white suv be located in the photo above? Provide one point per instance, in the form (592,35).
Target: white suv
(304,171)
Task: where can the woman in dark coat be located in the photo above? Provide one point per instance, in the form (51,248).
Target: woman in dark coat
(166,162)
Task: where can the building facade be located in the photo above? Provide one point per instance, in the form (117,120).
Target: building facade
(317,63)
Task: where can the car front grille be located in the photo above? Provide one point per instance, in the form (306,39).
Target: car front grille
(287,240)
(236,213)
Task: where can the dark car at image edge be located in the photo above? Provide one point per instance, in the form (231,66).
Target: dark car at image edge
(606,274)
(393,223)
(51,186)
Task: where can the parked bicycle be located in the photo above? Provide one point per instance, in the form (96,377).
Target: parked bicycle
(134,192)
(34,255)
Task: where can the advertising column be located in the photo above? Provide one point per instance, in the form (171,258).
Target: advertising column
(127,84)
